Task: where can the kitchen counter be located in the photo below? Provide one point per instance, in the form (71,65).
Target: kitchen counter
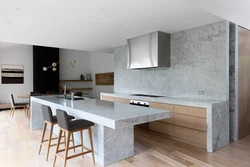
(113,133)
(170,100)
(217,116)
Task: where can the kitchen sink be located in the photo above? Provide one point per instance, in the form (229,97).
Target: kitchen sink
(69,98)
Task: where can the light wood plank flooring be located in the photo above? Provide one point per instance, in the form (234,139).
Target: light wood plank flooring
(19,148)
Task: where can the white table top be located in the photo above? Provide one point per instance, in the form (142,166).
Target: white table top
(113,115)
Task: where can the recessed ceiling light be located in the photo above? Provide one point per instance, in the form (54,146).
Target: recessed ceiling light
(149,21)
(103,8)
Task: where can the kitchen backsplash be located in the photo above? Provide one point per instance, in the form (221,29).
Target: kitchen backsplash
(199,62)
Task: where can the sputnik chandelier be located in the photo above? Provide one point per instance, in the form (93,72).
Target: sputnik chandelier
(54,65)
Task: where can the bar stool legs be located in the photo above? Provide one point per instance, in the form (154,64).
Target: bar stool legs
(49,145)
(91,144)
(67,148)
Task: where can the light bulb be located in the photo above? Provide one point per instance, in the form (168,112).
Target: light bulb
(54,68)
(53,64)
(44,68)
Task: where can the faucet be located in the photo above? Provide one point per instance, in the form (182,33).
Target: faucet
(65,91)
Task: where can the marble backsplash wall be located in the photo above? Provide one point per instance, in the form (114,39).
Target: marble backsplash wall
(199,62)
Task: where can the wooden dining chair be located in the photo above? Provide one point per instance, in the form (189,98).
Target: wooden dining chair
(15,105)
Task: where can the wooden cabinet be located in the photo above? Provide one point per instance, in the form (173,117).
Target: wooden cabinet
(186,124)
(115,99)
(164,106)
(108,98)
(121,100)
(192,111)
(162,127)
(190,136)
(190,122)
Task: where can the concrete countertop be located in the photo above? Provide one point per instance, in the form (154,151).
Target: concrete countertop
(170,100)
(109,114)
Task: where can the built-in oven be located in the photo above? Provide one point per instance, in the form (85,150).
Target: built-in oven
(139,103)
(142,104)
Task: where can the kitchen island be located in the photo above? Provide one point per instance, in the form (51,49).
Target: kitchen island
(113,133)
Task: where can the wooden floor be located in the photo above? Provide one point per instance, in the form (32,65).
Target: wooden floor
(19,148)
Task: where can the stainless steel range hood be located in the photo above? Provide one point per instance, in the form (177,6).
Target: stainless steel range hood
(149,51)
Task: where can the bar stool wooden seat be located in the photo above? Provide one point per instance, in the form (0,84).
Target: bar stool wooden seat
(69,127)
(51,120)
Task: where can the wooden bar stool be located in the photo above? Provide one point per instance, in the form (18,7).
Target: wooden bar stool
(69,127)
(51,120)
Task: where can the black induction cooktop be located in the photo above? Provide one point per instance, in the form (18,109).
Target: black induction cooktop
(143,95)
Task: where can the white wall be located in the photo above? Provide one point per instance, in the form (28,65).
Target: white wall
(18,55)
(91,62)
(100,63)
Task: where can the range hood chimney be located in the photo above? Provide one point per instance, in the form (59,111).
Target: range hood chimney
(149,51)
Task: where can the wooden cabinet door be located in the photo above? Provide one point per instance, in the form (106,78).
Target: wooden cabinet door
(108,98)
(121,100)
(190,122)
(192,111)
(191,136)
(164,106)
(162,127)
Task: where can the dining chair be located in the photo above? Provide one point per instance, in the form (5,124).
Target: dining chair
(15,105)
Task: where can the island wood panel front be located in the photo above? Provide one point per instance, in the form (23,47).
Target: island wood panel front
(186,124)
(164,106)
(121,100)
(190,122)
(190,135)
(192,111)
(108,98)
(162,127)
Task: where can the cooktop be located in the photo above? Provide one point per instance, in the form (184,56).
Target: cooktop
(143,95)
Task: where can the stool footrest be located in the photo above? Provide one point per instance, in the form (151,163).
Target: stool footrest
(74,147)
(76,155)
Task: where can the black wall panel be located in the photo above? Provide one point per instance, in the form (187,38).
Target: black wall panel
(45,80)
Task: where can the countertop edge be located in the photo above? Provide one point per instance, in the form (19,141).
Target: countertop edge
(175,101)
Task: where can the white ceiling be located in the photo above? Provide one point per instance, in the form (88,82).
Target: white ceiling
(236,11)
(93,25)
